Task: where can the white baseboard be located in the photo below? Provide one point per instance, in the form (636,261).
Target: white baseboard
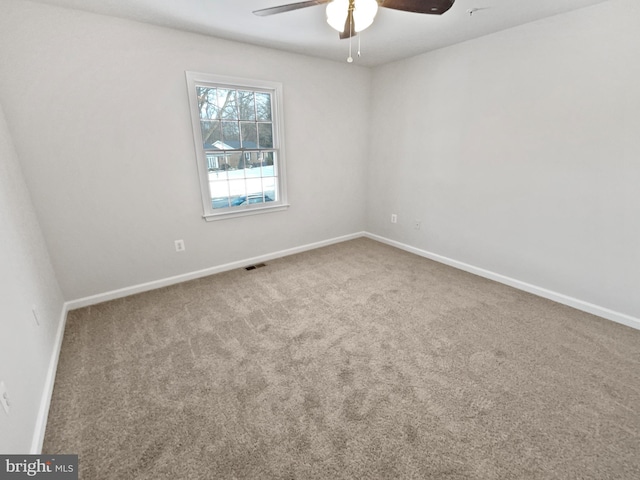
(47,392)
(578,304)
(527,287)
(144,287)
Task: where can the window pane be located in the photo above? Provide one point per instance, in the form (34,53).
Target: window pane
(249,134)
(268,165)
(254,159)
(265,135)
(221,202)
(207,103)
(253,172)
(237,190)
(230,135)
(228,162)
(211,133)
(254,186)
(269,186)
(219,193)
(227,104)
(246,105)
(243,162)
(216,166)
(268,159)
(263,104)
(212,162)
(234,172)
(233,159)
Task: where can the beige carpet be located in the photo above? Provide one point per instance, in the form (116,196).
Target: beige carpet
(352,361)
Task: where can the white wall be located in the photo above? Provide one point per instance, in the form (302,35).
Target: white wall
(99,114)
(520,154)
(26,280)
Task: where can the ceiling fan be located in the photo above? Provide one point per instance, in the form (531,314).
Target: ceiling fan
(352,16)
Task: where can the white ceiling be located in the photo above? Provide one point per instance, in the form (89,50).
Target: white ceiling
(394,34)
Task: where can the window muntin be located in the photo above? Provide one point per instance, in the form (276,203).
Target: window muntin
(237,127)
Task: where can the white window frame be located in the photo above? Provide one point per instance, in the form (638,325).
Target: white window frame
(195,79)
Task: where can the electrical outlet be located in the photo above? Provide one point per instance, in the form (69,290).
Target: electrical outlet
(417,224)
(394,218)
(4,397)
(179,245)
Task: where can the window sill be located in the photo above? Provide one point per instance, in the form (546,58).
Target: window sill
(244,212)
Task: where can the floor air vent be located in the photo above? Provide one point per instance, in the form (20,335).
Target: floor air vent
(257,265)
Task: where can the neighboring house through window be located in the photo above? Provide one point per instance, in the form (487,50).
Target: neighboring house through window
(237,127)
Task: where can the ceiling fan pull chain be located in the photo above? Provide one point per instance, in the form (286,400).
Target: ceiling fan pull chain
(350,58)
(359,44)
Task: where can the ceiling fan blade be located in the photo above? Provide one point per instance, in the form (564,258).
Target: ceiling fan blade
(349,27)
(433,7)
(287,8)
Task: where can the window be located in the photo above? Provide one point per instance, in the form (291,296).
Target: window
(237,127)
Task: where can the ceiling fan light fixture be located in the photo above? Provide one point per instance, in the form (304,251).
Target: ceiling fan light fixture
(337,14)
(364,11)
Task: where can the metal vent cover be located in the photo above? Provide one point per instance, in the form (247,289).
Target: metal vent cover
(257,265)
